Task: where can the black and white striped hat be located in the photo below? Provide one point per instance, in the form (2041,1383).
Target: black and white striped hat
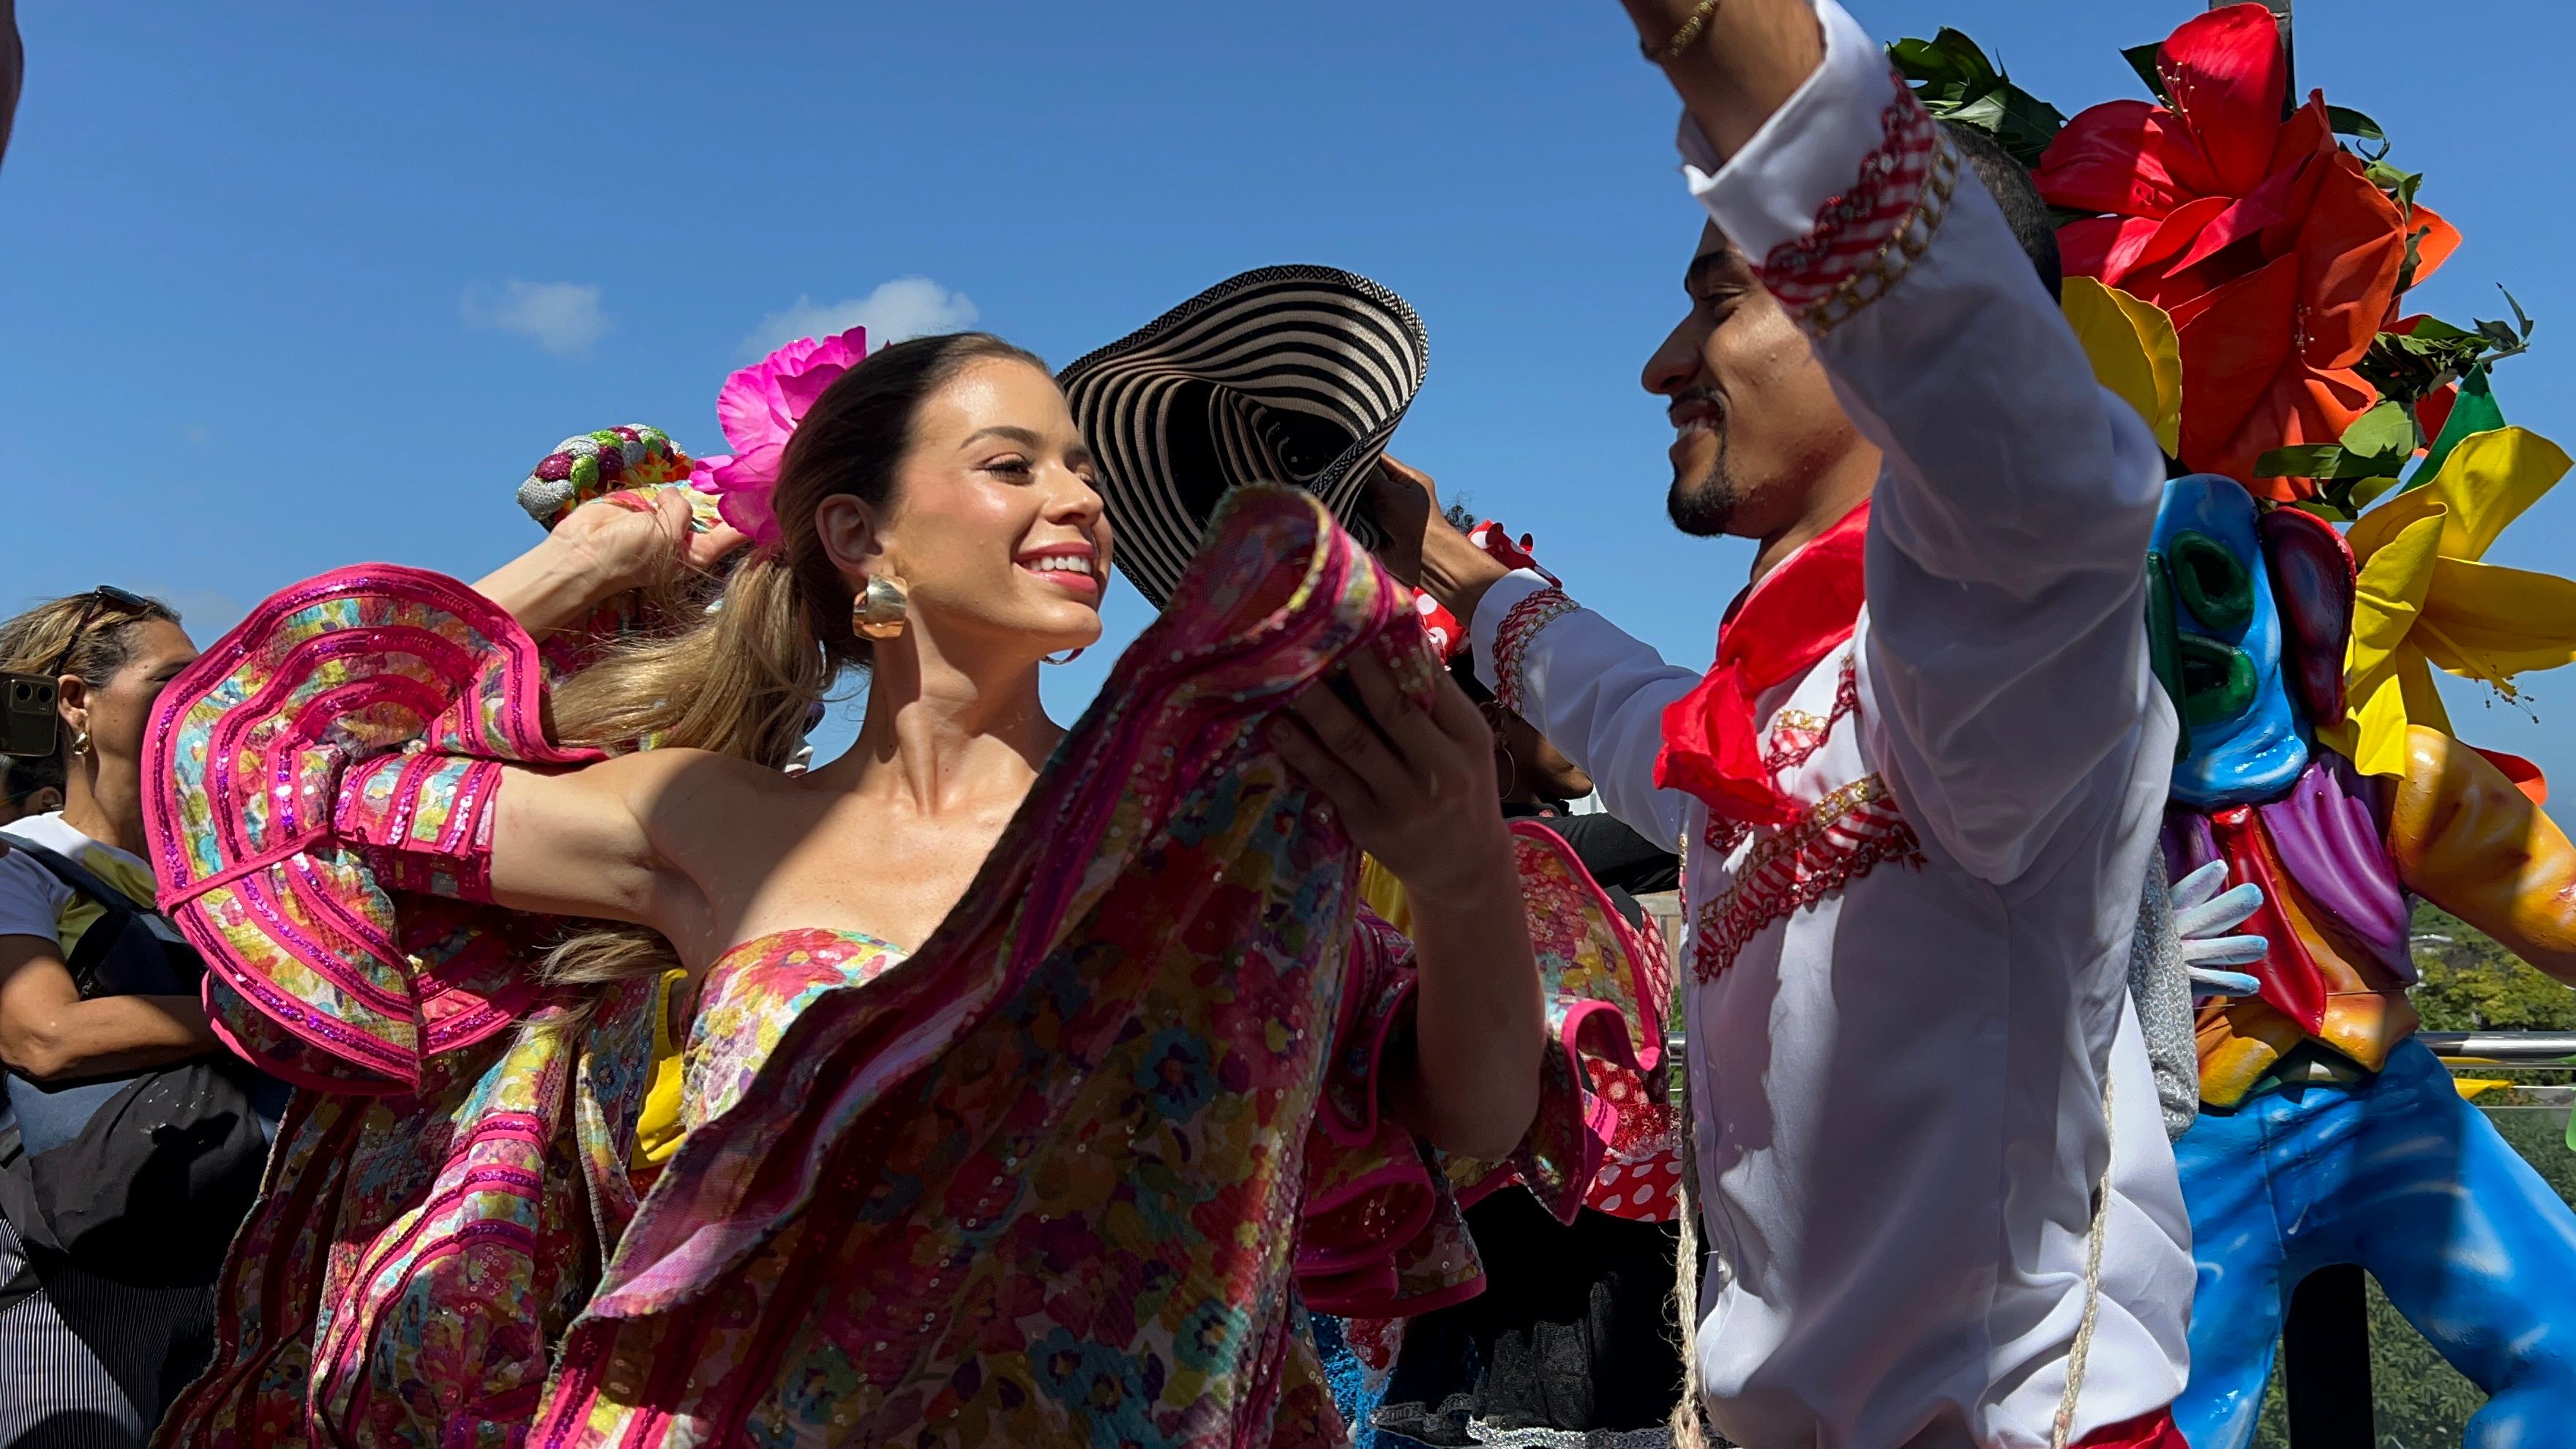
(1294,375)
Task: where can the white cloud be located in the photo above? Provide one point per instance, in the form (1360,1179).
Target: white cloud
(561,317)
(904,307)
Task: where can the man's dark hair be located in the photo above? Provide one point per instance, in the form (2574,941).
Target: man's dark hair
(2011,186)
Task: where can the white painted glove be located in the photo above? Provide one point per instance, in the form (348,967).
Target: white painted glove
(2202,914)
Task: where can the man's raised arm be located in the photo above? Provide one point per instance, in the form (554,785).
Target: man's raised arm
(2006,557)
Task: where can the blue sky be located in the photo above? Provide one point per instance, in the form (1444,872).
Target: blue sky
(285,292)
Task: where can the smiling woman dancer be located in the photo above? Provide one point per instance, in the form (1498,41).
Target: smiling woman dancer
(1125,1066)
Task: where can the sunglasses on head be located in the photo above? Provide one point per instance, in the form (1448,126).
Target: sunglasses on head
(100,597)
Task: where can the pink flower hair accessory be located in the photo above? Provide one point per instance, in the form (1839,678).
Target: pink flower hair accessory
(759,408)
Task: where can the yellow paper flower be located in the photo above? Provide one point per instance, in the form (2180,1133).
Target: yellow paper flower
(2134,352)
(2426,602)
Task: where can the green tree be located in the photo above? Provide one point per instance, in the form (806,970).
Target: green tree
(2472,984)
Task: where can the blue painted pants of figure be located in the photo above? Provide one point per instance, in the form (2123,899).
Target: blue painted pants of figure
(2400,1175)
(1352,1393)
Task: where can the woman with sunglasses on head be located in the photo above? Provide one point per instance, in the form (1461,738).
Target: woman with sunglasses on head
(135,1147)
(994,1082)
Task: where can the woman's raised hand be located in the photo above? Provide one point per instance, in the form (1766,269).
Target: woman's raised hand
(602,549)
(1414,786)
(629,548)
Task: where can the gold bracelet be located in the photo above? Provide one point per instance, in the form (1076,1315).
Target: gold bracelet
(1671,50)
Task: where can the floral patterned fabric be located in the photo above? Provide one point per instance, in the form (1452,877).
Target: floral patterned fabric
(1057,1178)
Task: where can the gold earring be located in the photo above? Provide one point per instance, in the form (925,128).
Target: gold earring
(880,609)
(80,743)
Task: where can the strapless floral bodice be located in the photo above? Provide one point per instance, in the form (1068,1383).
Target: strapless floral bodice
(753,993)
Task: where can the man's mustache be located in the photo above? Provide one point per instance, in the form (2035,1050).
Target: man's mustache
(1697,402)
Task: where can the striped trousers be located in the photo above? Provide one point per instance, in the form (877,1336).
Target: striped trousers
(87,1362)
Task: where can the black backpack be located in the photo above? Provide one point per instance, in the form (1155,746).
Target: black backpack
(140,1178)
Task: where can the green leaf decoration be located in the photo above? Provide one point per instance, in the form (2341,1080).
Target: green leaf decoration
(2476,412)
(2142,59)
(2304,460)
(2374,451)
(2433,330)
(2410,368)
(1956,82)
(2386,432)
(2349,122)
(2351,472)
(2399,183)
(2520,317)
(1949,60)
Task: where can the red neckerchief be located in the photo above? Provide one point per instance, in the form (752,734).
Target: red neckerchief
(1777,631)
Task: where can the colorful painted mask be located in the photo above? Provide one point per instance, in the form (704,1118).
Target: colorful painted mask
(2222,663)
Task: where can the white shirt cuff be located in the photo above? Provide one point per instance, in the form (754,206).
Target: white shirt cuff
(1483,630)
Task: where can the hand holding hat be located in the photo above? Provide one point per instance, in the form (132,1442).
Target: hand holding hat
(1452,568)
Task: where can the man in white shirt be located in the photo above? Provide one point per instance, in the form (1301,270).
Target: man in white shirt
(1917,793)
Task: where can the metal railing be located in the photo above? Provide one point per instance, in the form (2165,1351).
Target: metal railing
(2526,1049)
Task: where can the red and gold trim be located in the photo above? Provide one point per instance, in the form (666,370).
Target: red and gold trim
(1865,240)
(1796,735)
(1511,643)
(1836,841)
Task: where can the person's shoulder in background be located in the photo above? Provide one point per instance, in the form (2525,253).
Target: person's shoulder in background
(1617,855)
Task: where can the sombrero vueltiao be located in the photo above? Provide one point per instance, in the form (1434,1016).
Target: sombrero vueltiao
(1294,375)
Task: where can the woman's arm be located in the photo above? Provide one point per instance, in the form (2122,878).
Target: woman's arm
(1415,788)
(603,549)
(1472,1086)
(49,1034)
(581,843)
(577,842)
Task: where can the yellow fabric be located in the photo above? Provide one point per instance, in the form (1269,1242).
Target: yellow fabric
(79,912)
(1385,895)
(131,877)
(657,1128)
(2473,1088)
(2425,601)
(2134,352)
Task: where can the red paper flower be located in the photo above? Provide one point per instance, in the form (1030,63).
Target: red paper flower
(2271,247)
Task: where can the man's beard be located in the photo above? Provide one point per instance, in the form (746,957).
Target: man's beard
(1703,506)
